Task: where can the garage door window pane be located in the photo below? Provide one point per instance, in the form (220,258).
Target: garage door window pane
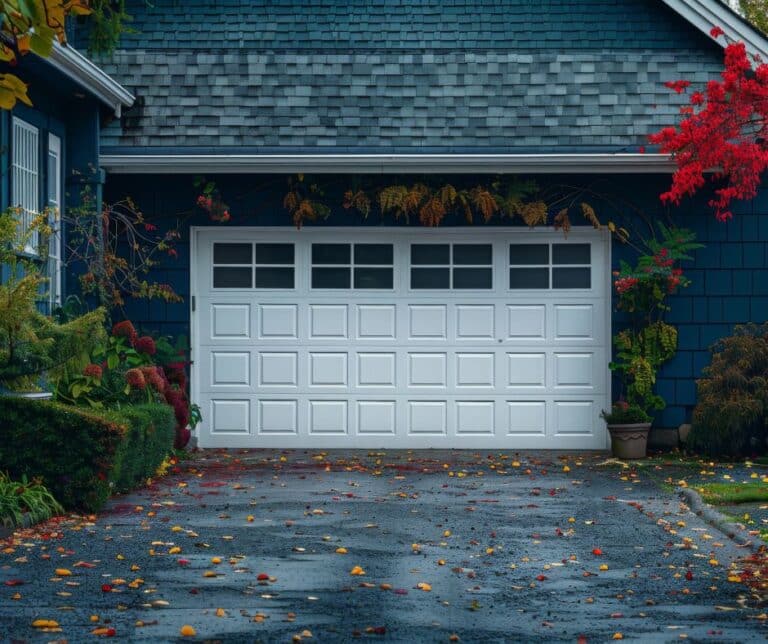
(376,278)
(571,278)
(232,254)
(526,278)
(571,254)
(430,278)
(472,254)
(232,277)
(274,253)
(368,254)
(430,254)
(277,277)
(527,254)
(337,277)
(472,278)
(331,253)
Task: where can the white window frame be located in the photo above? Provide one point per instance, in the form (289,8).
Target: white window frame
(54,195)
(25,179)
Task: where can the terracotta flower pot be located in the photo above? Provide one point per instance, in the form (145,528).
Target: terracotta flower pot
(629,441)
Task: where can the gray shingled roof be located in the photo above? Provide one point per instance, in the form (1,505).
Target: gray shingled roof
(403,75)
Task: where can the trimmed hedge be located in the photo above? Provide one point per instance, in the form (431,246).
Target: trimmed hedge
(83,456)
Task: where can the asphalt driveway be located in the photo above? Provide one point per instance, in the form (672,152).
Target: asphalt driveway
(402,546)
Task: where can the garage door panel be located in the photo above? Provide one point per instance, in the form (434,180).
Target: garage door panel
(328,321)
(229,321)
(475,322)
(526,322)
(230,368)
(278,417)
(428,370)
(448,367)
(427,322)
(278,322)
(376,322)
(278,369)
(475,370)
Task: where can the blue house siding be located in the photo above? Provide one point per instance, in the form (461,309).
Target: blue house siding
(724,291)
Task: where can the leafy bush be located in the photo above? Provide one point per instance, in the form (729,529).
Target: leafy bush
(24,498)
(81,455)
(128,369)
(731,417)
(623,413)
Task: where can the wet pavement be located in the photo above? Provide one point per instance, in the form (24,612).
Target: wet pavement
(262,546)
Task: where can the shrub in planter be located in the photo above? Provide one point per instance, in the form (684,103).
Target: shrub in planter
(82,455)
(30,500)
(731,416)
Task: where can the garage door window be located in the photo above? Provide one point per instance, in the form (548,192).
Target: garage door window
(451,266)
(544,266)
(232,266)
(268,266)
(358,266)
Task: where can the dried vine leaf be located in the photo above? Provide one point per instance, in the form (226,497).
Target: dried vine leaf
(447,195)
(414,198)
(357,200)
(590,215)
(563,222)
(432,212)
(484,202)
(291,201)
(391,199)
(463,199)
(534,213)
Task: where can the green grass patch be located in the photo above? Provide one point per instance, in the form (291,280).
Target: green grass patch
(733,493)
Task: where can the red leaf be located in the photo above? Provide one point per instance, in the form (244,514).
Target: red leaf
(597,552)
(14,582)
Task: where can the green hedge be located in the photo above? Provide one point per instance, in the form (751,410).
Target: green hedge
(83,456)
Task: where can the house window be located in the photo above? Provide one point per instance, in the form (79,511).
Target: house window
(236,265)
(54,204)
(25,179)
(446,266)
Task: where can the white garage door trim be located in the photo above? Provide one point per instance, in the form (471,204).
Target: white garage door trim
(401,367)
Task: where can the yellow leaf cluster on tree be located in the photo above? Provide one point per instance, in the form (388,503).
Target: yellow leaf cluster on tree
(31,26)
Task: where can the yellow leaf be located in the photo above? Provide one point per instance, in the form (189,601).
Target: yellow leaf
(63,572)
(357,571)
(187,631)
(341,551)
(423,585)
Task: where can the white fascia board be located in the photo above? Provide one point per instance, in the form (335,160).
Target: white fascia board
(73,64)
(387,163)
(705,14)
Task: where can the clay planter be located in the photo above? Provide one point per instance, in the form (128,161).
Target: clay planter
(629,441)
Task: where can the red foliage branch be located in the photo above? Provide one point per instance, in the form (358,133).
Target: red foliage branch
(723,135)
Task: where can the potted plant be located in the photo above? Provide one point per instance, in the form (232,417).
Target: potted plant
(628,426)
(31,343)
(646,342)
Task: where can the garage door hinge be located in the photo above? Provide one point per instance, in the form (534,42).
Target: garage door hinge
(193,303)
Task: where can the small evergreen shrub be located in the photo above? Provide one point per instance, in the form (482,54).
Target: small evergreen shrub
(82,456)
(731,416)
(622,413)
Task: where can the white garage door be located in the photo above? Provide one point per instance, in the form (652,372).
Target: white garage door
(400,338)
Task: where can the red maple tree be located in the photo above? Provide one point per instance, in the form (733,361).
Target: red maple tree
(723,135)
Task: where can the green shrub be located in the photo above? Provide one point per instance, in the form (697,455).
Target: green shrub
(622,413)
(731,417)
(19,499)
(83,456)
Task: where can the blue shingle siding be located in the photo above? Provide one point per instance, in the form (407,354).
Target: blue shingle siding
(409,75)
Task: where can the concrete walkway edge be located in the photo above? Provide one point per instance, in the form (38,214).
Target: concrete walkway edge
(719,521)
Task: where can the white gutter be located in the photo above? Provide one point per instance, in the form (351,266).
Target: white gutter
(73,64)
(385,163)
(705,14)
